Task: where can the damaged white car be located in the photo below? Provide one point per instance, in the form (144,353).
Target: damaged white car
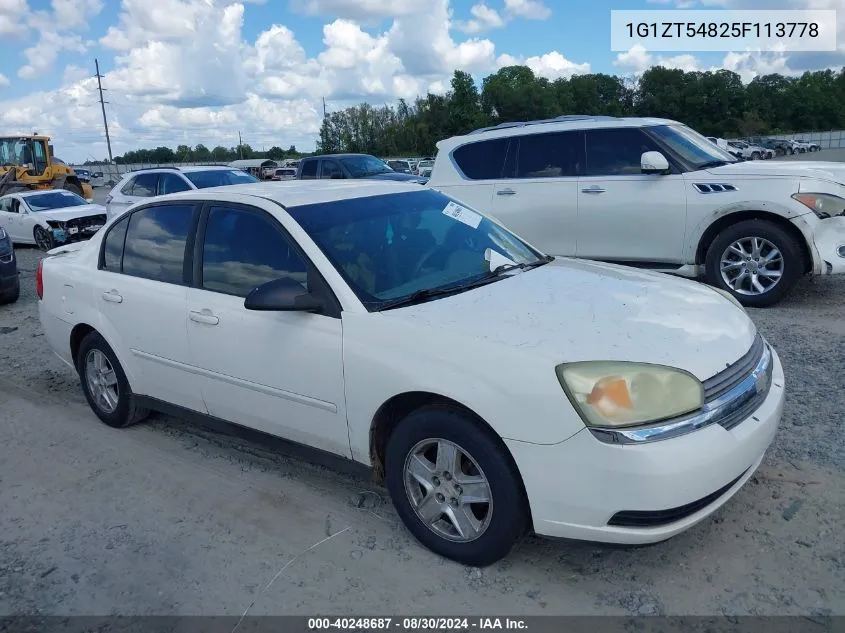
(50,218)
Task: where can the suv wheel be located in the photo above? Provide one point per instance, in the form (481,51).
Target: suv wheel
(104,383)
(12,296)
(757,261)
(755,155)
(454,487)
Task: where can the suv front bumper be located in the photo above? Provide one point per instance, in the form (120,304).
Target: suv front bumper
(829,240)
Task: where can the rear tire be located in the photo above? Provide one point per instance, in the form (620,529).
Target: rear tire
(776,266)
(69,186)
(12,297)
(422,483)
(105,385)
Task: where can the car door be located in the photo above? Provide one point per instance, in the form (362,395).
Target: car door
(141,291)
(279,372)
(538,198)
(9,219)
(480,165)
(625,215)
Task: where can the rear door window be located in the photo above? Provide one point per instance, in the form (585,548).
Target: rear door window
(309,169)
(155,242)
(484,160)
(142,186)
(551,155)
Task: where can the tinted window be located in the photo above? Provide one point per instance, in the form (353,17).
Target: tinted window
(244,249)
(155,242)
(552,155)
(219,178)
(113,247)
(171,183)
(365,165)
(144,185)
(617,152)
(309,169)
(331,169)
(483,160)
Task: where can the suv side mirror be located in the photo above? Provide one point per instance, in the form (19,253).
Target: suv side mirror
(654,163)
(282,295)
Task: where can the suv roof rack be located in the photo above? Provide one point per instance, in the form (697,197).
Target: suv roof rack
(557,119)
(153,168)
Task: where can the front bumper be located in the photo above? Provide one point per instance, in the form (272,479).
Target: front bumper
(581,487)
(829,240)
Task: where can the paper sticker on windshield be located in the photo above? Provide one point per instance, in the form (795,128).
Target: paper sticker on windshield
(462,214)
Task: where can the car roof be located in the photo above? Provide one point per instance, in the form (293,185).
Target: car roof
(35,192)
(294,193)
(186,169)
(559,124)
(344,155)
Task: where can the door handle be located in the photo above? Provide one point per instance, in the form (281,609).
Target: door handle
(506,192)
(113,296)
(204,316)
(593,189)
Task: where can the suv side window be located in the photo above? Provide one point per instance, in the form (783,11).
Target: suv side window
(330,168)
(113,246)
(243,249)
(551,155)
(171,183)
(309,169)
(483,160)
(143,186)
(617,151)
(155,242)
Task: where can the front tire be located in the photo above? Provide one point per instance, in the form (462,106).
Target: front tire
(105,385)
(12,297)
(454,485)
(43,238)
(757,261)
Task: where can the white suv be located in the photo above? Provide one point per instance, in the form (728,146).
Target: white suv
(655,194)
(158,181)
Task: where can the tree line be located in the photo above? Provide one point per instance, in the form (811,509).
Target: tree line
(199,153)
(715,103)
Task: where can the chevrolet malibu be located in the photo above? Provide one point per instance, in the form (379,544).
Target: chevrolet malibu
(494,389)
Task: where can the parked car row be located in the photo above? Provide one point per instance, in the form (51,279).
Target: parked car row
(351,166)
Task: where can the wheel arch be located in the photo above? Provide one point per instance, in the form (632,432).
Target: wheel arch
(78,334)
(725,221)
(399,406)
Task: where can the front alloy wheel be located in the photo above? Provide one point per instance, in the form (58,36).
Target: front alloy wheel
(43,238)
(751,266)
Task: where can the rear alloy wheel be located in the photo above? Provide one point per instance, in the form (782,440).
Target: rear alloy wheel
(43,238)
(757,261)
(105,385)
(454,486)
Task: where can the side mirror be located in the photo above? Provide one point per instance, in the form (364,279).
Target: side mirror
(282,295)
(654,163)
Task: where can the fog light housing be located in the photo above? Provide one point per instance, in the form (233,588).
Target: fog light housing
(841,250)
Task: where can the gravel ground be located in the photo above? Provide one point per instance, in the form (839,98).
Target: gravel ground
(168,518)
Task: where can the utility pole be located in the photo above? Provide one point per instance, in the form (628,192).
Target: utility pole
(103,107)
(324,107)
(240,146)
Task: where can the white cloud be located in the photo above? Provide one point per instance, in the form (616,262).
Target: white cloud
(551,65)
(12,16)
(4,81)
(75,14)
(528,9)
(360,10)
(43,55)
(636,60)
(73,74)
(483,19)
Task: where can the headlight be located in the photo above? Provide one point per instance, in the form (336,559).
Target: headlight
(824,205)
(727,295)
(622,394)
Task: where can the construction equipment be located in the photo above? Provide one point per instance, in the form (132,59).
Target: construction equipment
(27,163)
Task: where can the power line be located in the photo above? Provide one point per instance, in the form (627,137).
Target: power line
(103,106)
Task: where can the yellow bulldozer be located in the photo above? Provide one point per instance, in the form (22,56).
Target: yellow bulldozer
(27,162)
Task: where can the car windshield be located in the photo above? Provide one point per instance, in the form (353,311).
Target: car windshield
(360,166)
(219,178)
(691,146)
(53,200)
(391,246)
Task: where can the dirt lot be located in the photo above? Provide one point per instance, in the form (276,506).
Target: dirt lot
(166,518)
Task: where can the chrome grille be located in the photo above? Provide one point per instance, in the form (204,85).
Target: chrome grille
(729,378)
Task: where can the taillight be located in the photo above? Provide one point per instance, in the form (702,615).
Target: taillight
(39,280)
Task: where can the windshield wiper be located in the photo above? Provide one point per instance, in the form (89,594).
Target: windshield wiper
(490,277)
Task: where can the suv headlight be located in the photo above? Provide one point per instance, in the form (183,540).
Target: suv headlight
(624,394)
(727,295)
(824,205)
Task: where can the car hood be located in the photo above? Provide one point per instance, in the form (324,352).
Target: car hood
(70,213)
(394,176)
(787,168)
(575,310)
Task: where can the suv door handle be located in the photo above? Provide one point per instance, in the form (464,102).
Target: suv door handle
(113,296)
(593,189)
(204,316)
(506,192)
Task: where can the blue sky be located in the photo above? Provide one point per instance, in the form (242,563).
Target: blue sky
(190,71)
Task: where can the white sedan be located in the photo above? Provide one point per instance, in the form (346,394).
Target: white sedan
(49,218)
(495,389)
